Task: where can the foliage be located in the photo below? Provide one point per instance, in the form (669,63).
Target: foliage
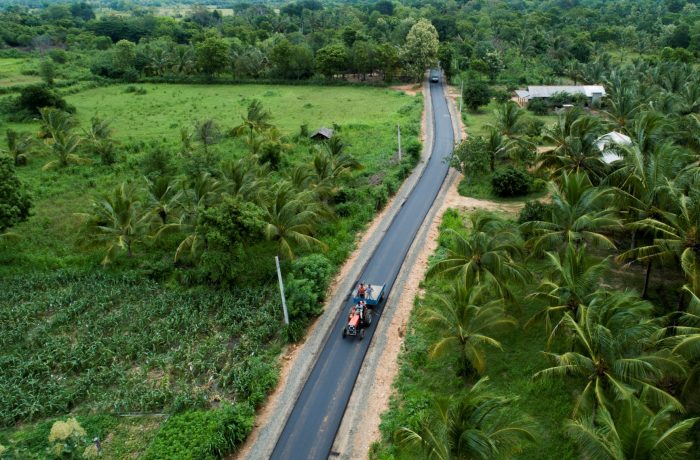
(510,182)
(202,434)
(476,93)
(67,439)
(472,157)
(421,49)
(15,202)
(534,210)
(470,425)
(36,97)
(137,345)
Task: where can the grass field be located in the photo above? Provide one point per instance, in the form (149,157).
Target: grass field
(11,71)
(367,118)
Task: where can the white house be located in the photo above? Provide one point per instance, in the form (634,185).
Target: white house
(594,93)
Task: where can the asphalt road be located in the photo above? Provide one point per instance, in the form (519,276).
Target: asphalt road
(312,426)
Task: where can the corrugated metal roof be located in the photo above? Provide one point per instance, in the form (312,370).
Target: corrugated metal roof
(549,91)
(324,132)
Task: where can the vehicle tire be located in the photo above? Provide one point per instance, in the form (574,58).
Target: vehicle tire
(362,334)
(369,317)
(345,332)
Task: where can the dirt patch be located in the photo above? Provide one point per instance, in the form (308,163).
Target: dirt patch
(411,90)
(454,97)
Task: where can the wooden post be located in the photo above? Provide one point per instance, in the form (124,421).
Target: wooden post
(284,302)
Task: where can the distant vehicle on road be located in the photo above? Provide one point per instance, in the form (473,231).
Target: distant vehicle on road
(435,78)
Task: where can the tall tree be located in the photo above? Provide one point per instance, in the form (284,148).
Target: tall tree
(420,51)
(212,55)
(612,354)
(292,218)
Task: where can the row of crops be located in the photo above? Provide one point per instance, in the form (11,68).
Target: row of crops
(124,344)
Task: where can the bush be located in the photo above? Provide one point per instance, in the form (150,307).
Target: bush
(202,434)
(511,182)
(158,162)
(15,202)
(476,93)
(58,56)
(535,211)
(538,106)
(316,268)
(35,97)
(413,149)
(303,298)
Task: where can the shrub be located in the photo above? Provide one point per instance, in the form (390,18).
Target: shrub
(476,93)
(413,149)
(35,97)
(14,200)
(202,434)
(510,182)
(538,106)
(501,96)
(316,268)
(535,211)
(58,56)
(158,162)
(303,298)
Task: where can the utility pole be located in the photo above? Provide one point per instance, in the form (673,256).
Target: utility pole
(398,130)
(284,302)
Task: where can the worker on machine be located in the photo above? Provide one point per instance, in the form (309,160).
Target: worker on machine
(362,291)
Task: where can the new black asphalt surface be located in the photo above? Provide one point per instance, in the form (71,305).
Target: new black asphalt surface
(311,427)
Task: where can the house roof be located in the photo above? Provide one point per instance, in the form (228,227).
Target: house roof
(323,132)
(549,91)
(607,142)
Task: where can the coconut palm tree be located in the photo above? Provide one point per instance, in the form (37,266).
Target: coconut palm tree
(464,316)
(197,194)
(207,133)
(498,147)
(510,119)
(19,146)
(485,256)
(574,140)
(641,184)
(57,129)
(570,281)
(163,197)
(632,433)
(292,217)
(683,338)
(676,233)
(117,221)
(245,178)
(580,213)
(256,120)
(622,105)
(610,343)
(473,425)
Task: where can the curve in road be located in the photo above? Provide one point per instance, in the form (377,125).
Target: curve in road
(312,426)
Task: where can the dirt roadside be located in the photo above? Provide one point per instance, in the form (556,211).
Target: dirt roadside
(297,360)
